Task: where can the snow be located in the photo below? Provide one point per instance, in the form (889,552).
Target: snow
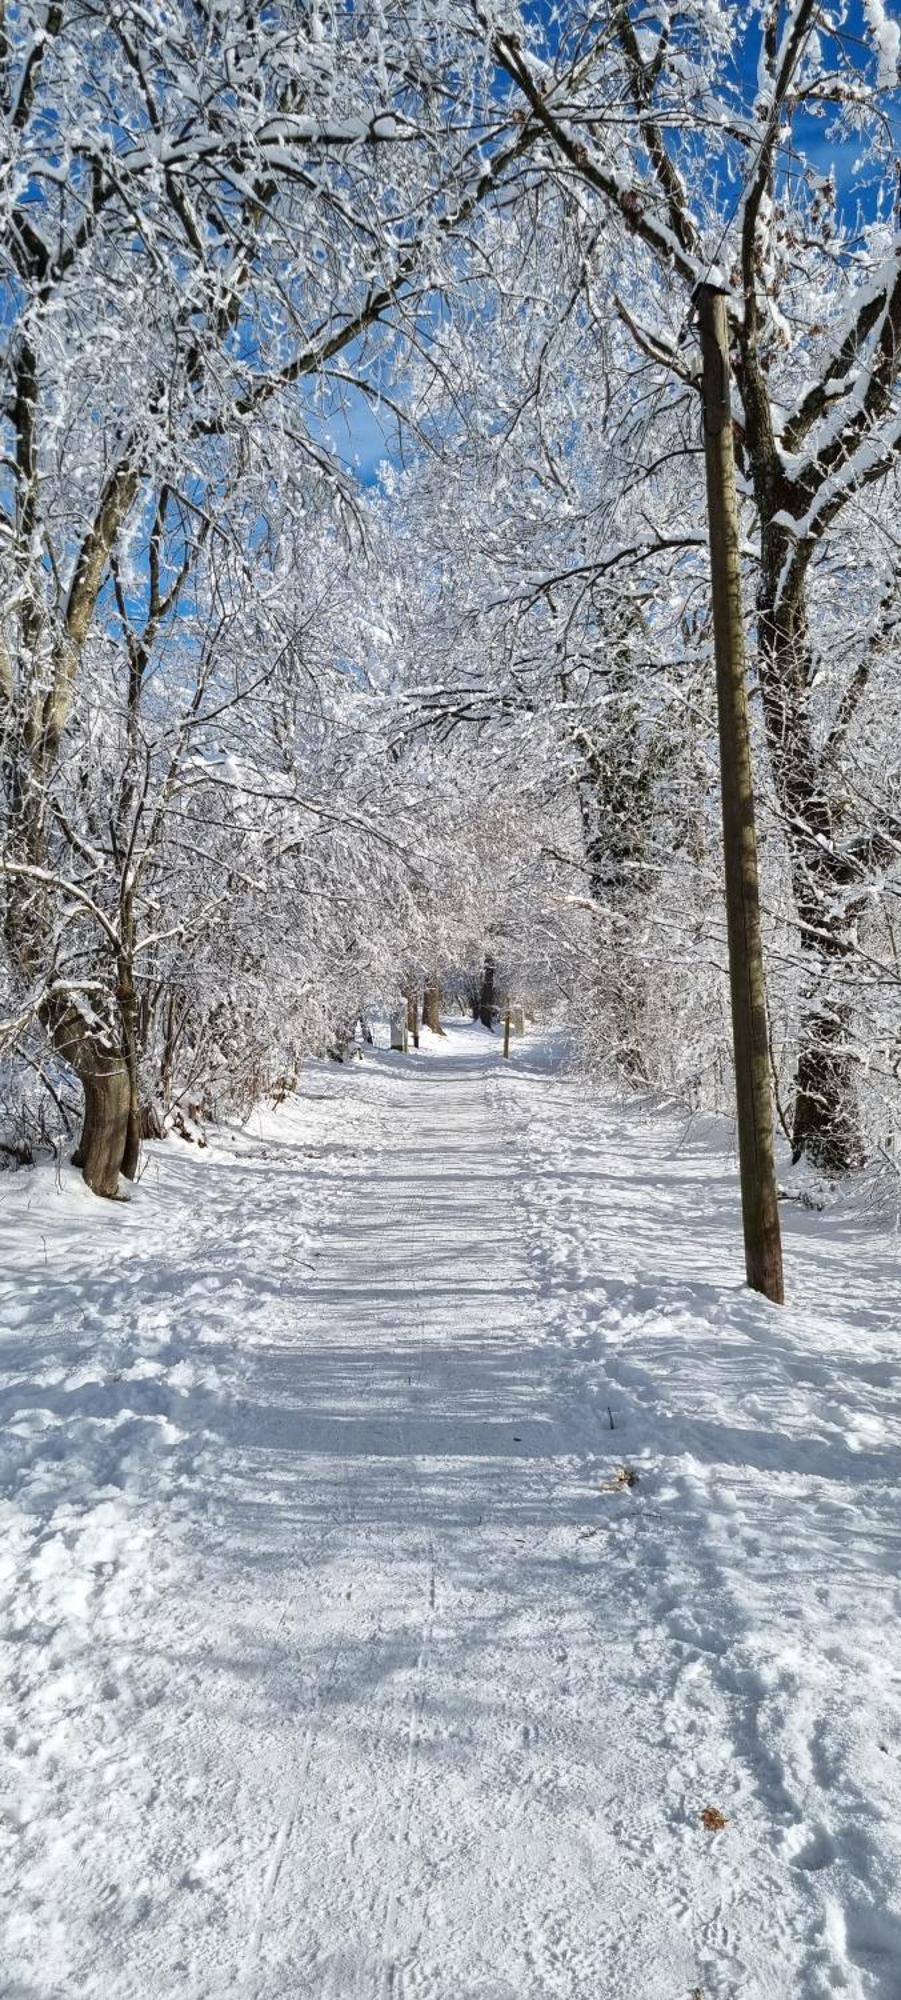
(339,1660)
(887,36)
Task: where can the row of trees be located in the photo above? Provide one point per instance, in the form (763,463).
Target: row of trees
(272,737)
(206,209)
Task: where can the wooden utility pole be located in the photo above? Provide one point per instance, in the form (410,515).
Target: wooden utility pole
(760,1212)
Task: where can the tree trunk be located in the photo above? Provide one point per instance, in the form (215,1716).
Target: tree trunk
(128,1008)
(431,1000)
(760,1213)
(152,1125)
(106,1132)
(341,1045)
(825,1125)
(105,1078)
(413,1016)
(131,1157)
(626,1004)
(172,1037)
(486,994)
(616,802)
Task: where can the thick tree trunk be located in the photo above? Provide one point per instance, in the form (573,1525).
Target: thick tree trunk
(105,1136)
(825,1125)
(431,1001)
(105,1078)
(413,1016)
(486,994)
(808,788)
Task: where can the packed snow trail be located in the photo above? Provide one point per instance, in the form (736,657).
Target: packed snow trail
(341,1664)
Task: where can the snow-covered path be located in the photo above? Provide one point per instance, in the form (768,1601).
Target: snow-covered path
(338,1665)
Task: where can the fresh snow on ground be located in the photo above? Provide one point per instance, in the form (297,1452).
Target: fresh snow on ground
(338,1662)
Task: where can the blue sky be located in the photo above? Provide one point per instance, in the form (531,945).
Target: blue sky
(360,434)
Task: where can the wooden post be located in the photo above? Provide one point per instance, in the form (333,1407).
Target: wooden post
(507,1030)
(760,1212)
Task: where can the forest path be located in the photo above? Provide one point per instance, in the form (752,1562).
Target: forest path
(428,1746)
(422,1707)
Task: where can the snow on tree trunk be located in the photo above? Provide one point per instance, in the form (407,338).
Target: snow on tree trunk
(823,875)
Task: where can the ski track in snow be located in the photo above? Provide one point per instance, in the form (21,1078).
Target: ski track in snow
(333,1660)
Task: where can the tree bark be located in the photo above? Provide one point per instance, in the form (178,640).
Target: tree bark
(128,1008)
(105,1077)
(105,1138)
(486,993)
(431,1001)
(825,1124)
(808,790)
(760,1213)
